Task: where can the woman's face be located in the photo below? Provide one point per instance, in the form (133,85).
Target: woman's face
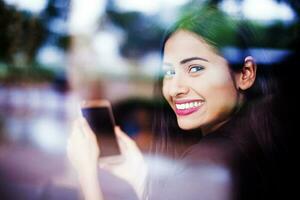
(198,84)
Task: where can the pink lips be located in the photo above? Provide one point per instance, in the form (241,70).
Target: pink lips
(187,111)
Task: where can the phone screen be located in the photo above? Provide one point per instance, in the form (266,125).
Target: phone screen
(101,122)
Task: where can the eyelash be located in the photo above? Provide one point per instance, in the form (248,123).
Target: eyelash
(199,68)
(167,73)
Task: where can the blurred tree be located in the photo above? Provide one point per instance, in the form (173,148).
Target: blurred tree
(53,18)
(144,33)
(23,34)
(295,5)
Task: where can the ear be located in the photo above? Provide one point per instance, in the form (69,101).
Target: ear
(247,75)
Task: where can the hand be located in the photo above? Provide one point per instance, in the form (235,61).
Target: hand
(83,152)
(133,168)
(82,148)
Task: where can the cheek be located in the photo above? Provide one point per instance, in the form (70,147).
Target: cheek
(221,79)
(165,91)
(220,92)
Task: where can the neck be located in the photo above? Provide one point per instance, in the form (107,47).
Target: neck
(208,129)
(211,128)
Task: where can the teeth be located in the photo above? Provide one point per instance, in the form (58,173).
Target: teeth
(188,105)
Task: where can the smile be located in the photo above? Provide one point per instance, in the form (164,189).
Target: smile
(188,107)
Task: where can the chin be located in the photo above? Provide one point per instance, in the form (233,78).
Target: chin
(187,125)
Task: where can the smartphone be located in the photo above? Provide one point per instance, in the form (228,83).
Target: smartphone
(99,116)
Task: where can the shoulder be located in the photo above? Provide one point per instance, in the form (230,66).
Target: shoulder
(205,171)
(211,167)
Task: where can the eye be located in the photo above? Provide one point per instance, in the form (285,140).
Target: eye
(169,73)
(194,69)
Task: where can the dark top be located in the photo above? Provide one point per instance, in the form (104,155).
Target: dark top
(227,164)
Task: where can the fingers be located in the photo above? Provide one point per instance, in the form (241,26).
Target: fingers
(127,144)
(82,148)
(86,129)
(123,136)
(68,148)
(81,133)
(75,137)
(72,144)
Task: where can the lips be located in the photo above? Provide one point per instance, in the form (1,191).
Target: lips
(186,107)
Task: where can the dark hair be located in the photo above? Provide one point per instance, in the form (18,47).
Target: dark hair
(255,128)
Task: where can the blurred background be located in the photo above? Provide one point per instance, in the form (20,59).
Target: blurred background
(54,53)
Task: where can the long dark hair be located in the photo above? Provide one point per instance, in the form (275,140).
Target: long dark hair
(255,129)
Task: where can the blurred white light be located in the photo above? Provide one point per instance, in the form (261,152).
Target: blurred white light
(34,6)
(150,64)
(264,10)
(267,10)
(58,25)
(106,46)
(147,6)
(51,56)
(49,134)
(85,15)
(231,7)
(137,5)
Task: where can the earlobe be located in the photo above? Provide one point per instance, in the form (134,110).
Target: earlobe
(248,73)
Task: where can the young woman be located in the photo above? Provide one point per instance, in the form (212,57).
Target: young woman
(216,123)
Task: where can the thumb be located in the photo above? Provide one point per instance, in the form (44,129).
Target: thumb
(124,137)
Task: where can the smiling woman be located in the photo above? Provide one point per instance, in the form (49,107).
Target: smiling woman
(215,121)
(196,72)
(229,106)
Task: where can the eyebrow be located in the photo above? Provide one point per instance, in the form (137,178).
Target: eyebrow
(191,59)
(186,60)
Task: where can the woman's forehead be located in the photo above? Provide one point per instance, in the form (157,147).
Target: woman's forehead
(184,44)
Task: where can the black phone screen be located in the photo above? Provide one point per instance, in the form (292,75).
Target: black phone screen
(101,122)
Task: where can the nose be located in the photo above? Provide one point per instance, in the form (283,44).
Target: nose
(178,87)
